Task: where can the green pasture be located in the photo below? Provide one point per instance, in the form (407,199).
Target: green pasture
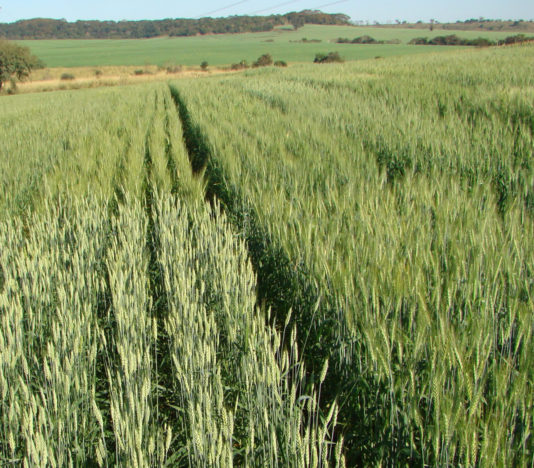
(282,44)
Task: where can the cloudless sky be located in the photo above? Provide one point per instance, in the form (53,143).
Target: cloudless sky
(370,10)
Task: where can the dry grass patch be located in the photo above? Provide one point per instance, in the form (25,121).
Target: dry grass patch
(50,79)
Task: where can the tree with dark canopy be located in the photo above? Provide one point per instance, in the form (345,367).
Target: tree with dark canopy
(16,62)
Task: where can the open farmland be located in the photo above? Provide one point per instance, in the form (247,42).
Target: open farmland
(316,266)
(224,49)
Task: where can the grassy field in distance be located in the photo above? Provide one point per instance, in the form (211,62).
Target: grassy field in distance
(282,44)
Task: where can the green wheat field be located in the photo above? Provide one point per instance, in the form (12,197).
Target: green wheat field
(224,49)
(318,266)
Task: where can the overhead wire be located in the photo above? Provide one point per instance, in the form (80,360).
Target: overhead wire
(331,3)
(222,8)
(275,6)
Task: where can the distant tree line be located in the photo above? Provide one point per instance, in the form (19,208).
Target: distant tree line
(61,29)
(453,40)
(473,24)
(488,20)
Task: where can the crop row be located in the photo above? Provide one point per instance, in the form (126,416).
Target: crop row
(396,199)
(130,333)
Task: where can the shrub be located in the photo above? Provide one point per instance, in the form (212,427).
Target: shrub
(264,61)
(280,63)
(364,40)
(170,67)
(98,73)
(419,41)
(331,57)
(517,39)
(139,72)
(452,40)
(481,42)
(240,66)
(204,65)
(67,77)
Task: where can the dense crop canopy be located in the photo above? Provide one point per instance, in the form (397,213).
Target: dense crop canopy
(283,267)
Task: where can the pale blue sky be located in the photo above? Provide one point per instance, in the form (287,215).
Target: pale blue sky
(370,10)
